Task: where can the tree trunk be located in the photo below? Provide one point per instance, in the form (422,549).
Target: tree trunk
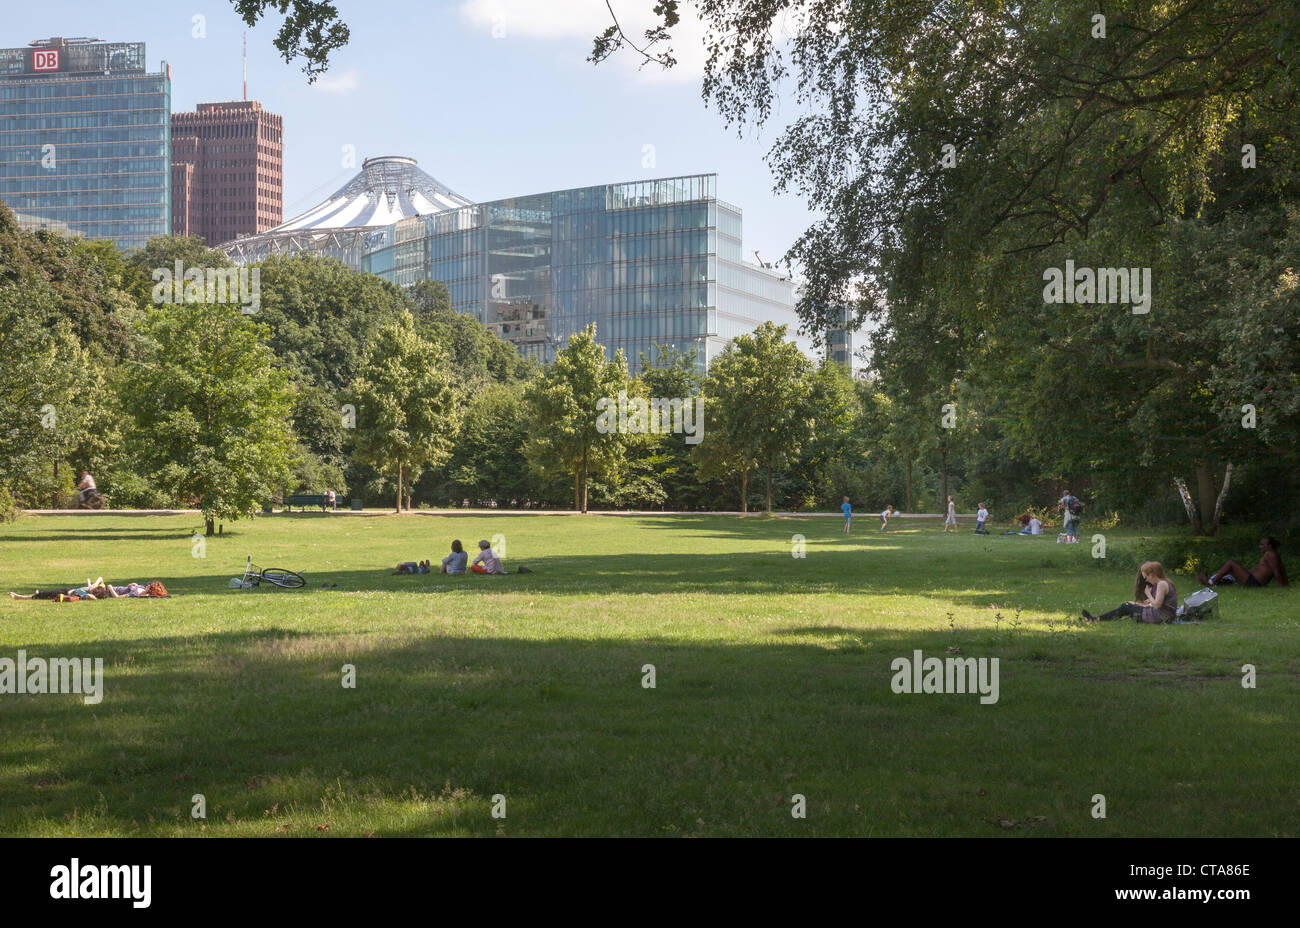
(769,489)
(584,480)
(943,494)
(399,487)
(1205,491)
(209,527)
(744,490)
(1223,494)
(1190,506)
(54,493)
(577,491)
(909,486)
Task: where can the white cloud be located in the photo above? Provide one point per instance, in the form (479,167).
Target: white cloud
(342,82)
(578,22)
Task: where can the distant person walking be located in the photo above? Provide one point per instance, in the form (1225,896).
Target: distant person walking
(332,500)
(884,517)
(847,509)
(1073,509)
(952,517)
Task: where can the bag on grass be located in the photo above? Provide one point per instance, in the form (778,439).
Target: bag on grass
(1203,604)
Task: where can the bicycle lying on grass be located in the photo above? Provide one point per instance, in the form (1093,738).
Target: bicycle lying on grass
(276,576)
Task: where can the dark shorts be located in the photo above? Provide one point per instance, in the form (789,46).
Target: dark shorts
(1251,581)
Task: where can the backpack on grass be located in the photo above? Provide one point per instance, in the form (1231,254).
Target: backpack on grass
(1203,604)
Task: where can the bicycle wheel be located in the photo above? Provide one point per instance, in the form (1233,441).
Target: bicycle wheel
(285,579)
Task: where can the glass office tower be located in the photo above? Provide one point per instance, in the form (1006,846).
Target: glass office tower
(651,263)
(85,139)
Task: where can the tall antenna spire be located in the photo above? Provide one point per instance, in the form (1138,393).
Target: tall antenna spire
(245,65)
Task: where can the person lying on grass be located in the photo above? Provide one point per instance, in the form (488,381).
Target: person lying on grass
(152,590)
(1270,565)
(98,589)
(1155,600)
(455,562)
(412,567)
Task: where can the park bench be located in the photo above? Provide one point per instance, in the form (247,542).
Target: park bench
(303,500)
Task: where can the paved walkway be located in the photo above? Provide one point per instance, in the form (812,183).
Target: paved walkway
(482,512)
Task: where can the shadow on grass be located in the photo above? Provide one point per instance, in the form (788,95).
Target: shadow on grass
(884,571)
(259,723)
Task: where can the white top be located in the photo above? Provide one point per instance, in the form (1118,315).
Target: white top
(982,514)
(1035,527)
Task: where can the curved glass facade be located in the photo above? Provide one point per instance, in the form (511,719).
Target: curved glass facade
(651,263)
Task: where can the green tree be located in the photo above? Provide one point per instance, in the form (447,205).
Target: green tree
(311,30)
(407,416)
(566,435)
(211,409)
(477,354)
(489,467)
(669,456)
(58,333)
(755,401)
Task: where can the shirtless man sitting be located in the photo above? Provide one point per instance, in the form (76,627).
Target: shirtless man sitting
(1269,566)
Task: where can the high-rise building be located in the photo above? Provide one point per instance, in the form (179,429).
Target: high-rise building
(656,262)
(228,171)
(839,339)
(85,138)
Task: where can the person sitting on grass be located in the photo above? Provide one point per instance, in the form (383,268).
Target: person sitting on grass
(1270,565)
(487,561)
(1155,600)
(1032,525)
(412,567)
(454,563)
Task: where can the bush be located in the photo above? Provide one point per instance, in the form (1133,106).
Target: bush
(9,510)
(1185,554)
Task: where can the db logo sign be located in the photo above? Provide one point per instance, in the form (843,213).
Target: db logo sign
(47,60)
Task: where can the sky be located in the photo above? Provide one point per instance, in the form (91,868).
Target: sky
(494,98)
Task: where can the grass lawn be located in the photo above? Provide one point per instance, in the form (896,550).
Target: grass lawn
(772,679)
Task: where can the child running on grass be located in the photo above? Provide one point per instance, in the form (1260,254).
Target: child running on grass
(884,517)
(952,517)
(848,514)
